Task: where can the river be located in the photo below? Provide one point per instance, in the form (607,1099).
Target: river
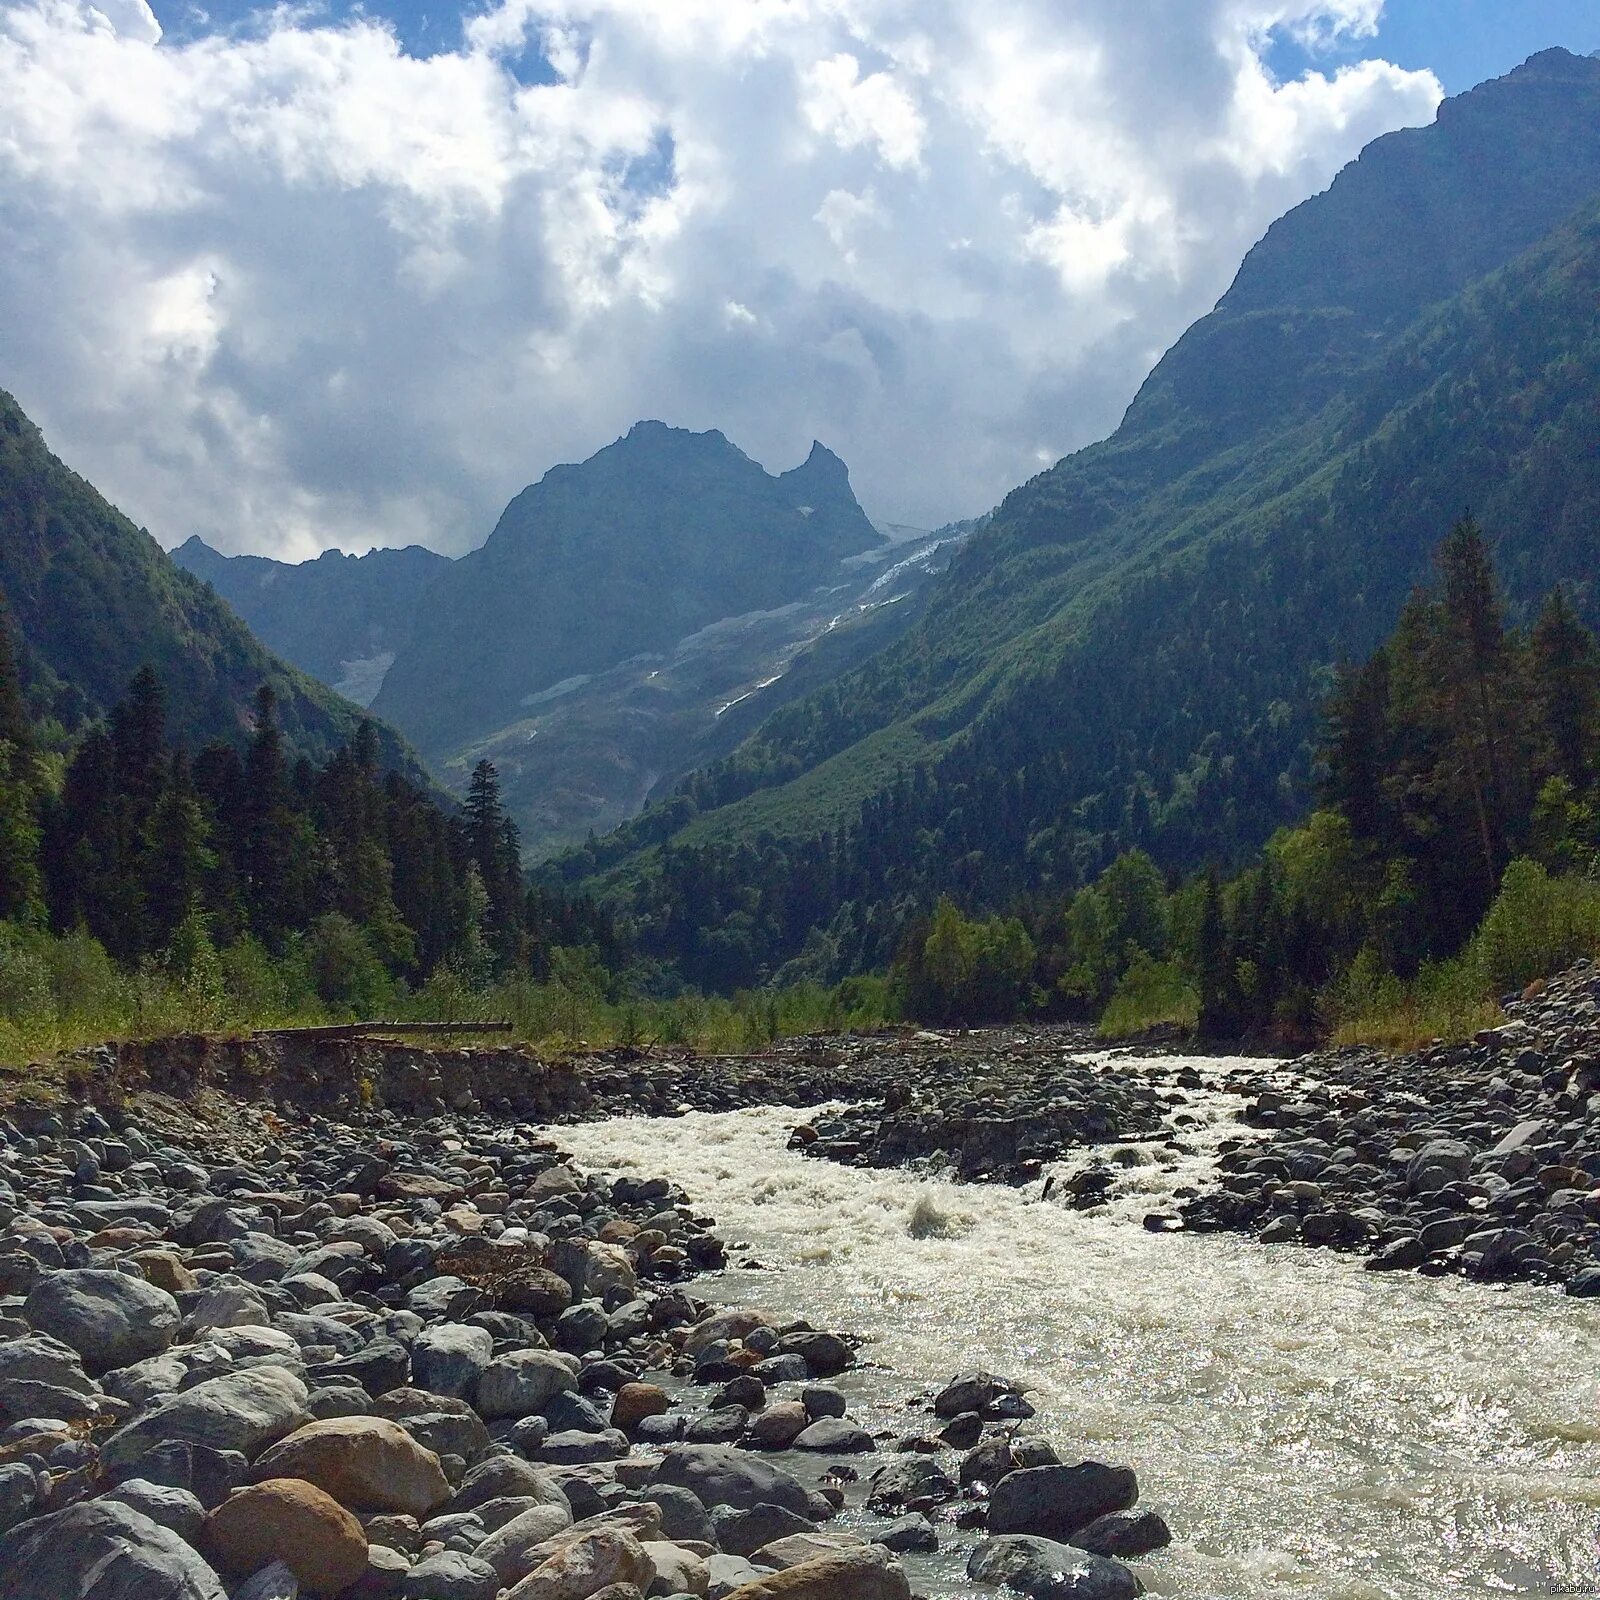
(1307,1429)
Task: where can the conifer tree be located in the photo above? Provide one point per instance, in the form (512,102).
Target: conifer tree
(1564,668)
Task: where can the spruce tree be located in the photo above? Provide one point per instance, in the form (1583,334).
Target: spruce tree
(1564,668)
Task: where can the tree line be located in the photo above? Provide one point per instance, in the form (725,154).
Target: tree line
(358,874)
(1453,854)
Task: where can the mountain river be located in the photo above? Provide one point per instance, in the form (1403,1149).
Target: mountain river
(1307,1429)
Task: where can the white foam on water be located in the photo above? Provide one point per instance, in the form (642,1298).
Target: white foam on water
(1308,1429)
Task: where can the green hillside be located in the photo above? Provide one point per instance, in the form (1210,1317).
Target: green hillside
(95,598)
(1133,651)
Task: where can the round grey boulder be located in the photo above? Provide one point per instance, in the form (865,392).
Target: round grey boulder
(112,1319)
(1045,1570)
(104,1550)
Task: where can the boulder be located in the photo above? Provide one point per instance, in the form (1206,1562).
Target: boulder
(516,1548)
(835,1436)
(1049,1571)
(910,1480)
(112,1319)
(587,1564)
(102,1550)
(1436,1164)
(779,1425)
(1054,1502)
(451,1575)
(870,1573)
(678,1571)
(722,1476)
(176,1510)
(523,1382)
(240,1411)
(742,1533)
(365,1463)
(292,1521)
(635,1402)
(1125,1534)
(972,1391)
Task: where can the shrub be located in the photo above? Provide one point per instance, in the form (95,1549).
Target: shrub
(1537,925)
(1150,994)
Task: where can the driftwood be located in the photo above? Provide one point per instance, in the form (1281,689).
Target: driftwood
(363,1030)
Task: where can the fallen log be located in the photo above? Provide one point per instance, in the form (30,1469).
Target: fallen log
(364,1030)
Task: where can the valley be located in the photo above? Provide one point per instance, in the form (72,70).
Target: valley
(709,1045)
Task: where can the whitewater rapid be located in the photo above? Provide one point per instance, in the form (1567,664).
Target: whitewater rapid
(1307,1429)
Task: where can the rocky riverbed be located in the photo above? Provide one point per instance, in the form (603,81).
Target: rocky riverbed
(1481,1158)
(996,1106)
(253,1355)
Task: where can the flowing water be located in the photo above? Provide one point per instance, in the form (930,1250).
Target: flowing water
(1307,1429)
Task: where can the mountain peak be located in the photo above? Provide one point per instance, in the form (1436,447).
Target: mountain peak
(822,479)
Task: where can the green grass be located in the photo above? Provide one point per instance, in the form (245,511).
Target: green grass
(62,994)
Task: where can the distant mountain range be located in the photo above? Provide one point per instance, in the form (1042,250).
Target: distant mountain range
(1133,651)
(340,618)
(629,619)
(95,598)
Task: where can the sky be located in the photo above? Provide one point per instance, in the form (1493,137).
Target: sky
(342,276)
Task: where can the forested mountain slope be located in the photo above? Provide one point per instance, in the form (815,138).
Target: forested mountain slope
(341,618)
(95,598)
(1133,651)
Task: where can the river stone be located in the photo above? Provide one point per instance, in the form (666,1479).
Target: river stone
(912,1532)
(835,1436)
(274,1582)
(635,1402)
(585,1565)
(972,1391)
(825,1354)
(102,1550)
(365,1463)
(735,1323)
(909,1480)
(795,1549)
(177,1510)
(779,1425)
(1126,1534)
(288,1520)
(507,1477)
(451,1575)
(523,1382)
(742,1533)
(1050,1571)
(678,1571)
(729,1573)
(20,1492)
(112,1319)
(450,1359)
(1054,1502)
(515,1548)
(870,1573)
(722,1476)
(1436,1164)
(240,1411)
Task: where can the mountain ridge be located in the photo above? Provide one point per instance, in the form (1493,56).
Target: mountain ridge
(94,598)
(675,528)
(1215,468)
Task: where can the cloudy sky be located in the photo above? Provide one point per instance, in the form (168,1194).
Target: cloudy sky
(348,276)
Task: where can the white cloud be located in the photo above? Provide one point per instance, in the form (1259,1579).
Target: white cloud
(292,287)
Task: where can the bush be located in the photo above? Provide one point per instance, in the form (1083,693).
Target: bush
(344,968)
(1151,993)
(1537,925)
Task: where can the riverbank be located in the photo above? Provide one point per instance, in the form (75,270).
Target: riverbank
(1481,1158)
(251,1353)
